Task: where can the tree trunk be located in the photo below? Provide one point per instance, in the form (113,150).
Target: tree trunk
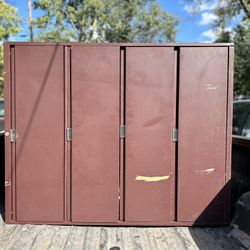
(245,7)
(30,19)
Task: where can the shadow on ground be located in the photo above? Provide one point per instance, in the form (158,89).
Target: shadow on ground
(208,238)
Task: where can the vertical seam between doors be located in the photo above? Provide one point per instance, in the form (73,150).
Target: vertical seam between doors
(177,82)
(122,140)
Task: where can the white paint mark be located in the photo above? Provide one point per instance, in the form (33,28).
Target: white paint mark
(209,170)
(205,171)
(210,86)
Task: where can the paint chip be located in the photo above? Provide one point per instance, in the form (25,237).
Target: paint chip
(151,178)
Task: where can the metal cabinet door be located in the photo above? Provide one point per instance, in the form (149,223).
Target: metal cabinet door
(150,118)
(95,133)
(202,134)
(39,120)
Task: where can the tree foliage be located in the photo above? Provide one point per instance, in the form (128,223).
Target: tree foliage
(240,35)
(229,9)
(225,11)
(9,25)
(9,21)
(1,72)
(104,21)
(242,61)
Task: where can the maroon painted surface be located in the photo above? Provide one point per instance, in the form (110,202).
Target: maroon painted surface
(7,127)
(129,223)
(58,182)
(202,134)
(150,105)
(95,139)
(39,119)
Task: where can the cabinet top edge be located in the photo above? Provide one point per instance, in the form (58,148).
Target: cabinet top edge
(120,44)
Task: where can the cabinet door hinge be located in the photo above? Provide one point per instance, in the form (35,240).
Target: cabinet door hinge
(69,134)
(7,183)
(122,131)
(13,135)
(175,134)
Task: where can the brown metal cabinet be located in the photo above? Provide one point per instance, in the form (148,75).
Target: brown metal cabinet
(118,134)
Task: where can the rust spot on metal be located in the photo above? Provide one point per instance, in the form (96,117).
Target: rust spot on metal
(151,178)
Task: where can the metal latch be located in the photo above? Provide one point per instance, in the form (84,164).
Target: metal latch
(175,134)
(122,131)
(12,135)
(69,134)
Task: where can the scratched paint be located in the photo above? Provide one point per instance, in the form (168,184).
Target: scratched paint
(211,86)
(206,171)
(151,178)
(209,170)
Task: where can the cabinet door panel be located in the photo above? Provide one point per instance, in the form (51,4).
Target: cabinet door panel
(150,118)
(95,133)
(202,133)
(39,108)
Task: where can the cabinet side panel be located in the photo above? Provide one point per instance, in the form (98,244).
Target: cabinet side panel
(229,131)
